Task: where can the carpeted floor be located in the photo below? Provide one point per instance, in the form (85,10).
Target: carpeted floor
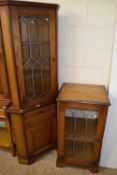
(45,165)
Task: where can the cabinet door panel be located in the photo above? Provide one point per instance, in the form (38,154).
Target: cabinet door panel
(37,36)
(80,132)
(39,138)
(35,46)
(40,129)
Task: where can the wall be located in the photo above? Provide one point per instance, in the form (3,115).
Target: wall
(85,41)
(109,149)
(86,29)
(85,33)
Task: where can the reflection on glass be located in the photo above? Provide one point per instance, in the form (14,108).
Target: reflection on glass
(80,133)
(78,150)
(44,30)
(36,55)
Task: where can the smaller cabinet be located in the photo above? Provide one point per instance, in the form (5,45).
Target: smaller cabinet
(82,111)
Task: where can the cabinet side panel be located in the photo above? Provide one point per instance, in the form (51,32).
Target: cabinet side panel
(60,129)
(4,92)
(20,139)
(100,132)
(7,39)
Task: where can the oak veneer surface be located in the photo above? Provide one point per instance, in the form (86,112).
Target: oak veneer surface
(82,111)
(84,93)
(4,103)
(4,138)
(24,3)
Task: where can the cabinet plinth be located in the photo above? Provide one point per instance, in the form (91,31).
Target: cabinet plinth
(81,117)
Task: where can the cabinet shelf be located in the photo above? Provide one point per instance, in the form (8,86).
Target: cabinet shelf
(81,138)
(80,129)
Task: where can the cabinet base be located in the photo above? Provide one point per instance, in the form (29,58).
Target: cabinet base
(30,160)
(63,163)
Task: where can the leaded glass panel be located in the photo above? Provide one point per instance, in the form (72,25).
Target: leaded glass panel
(80,133)
(35,42)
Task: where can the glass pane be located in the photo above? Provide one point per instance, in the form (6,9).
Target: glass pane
(35,51)
(45,50)
(37,80)
(78,150)
(33,29)
(28,81)
(25,52)
(68,147)
(24,30)
(44,29)
(80,132)
(83,151)
(46,78)
(36,56)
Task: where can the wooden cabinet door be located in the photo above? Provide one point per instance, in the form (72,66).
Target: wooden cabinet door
(80,132)
(34,31)
(40,129)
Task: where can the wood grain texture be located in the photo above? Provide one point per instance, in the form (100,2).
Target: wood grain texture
(32,117)
(84,93)
(6,137)
(81,131)
(32,4)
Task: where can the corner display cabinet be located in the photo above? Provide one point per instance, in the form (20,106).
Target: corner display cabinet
(29,32)
(82,111)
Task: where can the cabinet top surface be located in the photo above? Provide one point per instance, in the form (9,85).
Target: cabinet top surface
(27,3)
(83,93)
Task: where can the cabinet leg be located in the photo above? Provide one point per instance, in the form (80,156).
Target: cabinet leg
(13,149)
(94,169)
(59,164)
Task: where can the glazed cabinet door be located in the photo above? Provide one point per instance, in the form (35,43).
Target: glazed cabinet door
(80,130)
(34,31)
(40,129)
(80,134)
